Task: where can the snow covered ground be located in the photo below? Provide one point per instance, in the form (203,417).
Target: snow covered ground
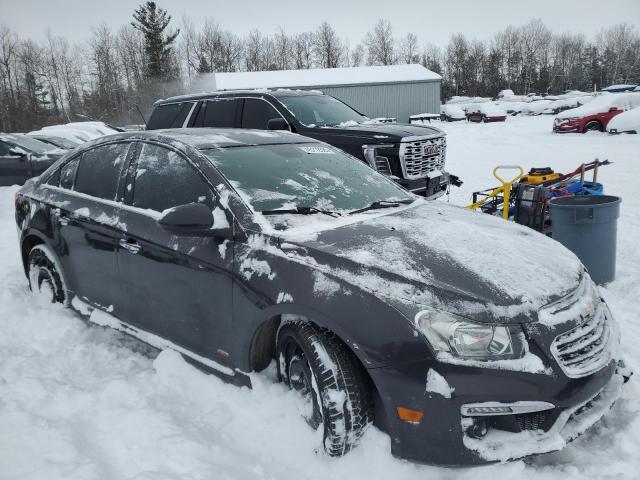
(84,402)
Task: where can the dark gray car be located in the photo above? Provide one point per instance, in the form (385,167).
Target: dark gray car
(444,327)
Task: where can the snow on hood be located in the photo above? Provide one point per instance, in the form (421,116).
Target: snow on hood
(392,131)
(492,269)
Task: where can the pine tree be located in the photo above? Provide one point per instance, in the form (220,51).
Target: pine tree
(152,21)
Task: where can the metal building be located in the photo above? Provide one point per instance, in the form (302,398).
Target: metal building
(396,91)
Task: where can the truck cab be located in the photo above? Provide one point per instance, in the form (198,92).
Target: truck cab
(413,155)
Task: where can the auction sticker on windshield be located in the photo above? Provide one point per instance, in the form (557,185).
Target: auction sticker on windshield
(317,150)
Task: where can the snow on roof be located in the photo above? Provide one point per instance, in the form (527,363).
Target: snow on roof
(318,77)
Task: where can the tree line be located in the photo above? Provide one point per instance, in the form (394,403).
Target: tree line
(117,73)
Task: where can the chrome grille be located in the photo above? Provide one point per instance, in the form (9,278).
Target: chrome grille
(418,161)
(584,349)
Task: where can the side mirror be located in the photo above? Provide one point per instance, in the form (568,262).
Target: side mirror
(192,218)
(277,124)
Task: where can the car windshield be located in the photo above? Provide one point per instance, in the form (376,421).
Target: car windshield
(29,143)
(321,110)
(305,176)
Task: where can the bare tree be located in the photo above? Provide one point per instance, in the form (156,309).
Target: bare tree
(328,48)
(409,50)
(302,50)
(380,44)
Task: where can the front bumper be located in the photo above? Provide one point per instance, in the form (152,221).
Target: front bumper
(566,127)
(430,188)
(443,437)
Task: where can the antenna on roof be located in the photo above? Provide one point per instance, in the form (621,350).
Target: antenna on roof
(144,120)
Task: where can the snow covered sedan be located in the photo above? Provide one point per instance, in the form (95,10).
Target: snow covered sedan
(238,247)
(485,112)
(451,113)
(23,157)
(596,114)
(626,122)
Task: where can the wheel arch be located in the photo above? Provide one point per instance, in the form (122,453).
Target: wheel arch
(28,241)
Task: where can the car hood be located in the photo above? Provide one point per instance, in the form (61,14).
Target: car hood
(434,254)
(383,132)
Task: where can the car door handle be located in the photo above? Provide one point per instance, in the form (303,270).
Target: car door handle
(130,246)
(62,219)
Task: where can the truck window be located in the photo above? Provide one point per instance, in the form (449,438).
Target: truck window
(257,113)
(171,115)
(220,113)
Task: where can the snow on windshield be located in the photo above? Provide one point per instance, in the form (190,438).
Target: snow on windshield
(285,177)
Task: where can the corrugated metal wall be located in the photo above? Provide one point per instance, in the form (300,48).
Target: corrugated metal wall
(398,100)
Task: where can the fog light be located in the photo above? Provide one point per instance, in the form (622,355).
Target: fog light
(409,415)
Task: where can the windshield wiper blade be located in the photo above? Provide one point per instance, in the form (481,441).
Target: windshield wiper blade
(300,211)
(382,204)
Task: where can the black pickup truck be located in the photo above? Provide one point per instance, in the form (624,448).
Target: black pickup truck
(413,155)
(23,157)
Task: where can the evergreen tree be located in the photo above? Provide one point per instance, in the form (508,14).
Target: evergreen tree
(152,21)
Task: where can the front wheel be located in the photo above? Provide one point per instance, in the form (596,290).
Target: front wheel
(45,277)
(334,389)
(593,125)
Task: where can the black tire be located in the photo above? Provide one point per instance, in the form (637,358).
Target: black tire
(316,363)
(44,275)
(593,125)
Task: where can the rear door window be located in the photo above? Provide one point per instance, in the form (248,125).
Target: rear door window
(165,179)
(99,170)
(257,113)
(220,113)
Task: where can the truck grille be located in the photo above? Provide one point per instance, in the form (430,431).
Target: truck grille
(421,157)
(584,349)
(531,421)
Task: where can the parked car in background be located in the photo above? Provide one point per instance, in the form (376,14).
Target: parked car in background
(76,131)
(23,157)
(413,155)
(58,142)
(236,248)
(485,112)
(451,113)
(620,88)
(538,107)
(596,114)
(626,122)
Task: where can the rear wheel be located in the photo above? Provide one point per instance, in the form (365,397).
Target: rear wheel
(593,125)
(333,388)
(45,279)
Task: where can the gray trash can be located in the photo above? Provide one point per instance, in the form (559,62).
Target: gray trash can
(587,225)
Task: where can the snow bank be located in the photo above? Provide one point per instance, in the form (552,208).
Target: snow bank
(626,122)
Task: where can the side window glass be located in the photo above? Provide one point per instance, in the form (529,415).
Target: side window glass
(220,113)
(163,116)
(181,116)
(68,173)
(165,179)
(257,113)
(99,170)
(4,149)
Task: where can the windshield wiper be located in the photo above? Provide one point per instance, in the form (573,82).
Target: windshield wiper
(300,211)
(382,204)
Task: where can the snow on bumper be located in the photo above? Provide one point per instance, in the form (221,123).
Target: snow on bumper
(502,446)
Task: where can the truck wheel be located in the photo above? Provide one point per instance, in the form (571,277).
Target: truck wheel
(331,382)
(593,125)
(45,279)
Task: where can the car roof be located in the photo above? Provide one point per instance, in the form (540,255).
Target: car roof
(280,92)
(205,138)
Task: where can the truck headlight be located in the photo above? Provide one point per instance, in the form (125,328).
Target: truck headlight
(450,333)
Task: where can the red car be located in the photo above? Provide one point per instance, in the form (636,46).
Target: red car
(485,112)
(596,114)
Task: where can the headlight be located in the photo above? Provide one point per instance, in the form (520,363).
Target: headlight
(453,334)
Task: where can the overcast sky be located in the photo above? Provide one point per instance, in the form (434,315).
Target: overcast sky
(433,20)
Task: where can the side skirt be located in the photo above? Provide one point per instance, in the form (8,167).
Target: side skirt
(100,316)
